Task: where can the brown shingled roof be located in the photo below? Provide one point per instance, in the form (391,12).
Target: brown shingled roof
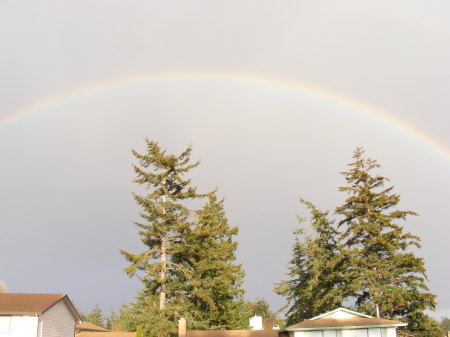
(236,333)
(27,304)
(327,322)
(87,326)
(106,334)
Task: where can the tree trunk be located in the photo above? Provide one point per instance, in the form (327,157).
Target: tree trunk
(162,275)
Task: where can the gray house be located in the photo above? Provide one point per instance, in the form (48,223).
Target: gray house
(37,315)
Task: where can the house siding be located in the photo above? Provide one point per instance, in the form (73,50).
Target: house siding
(371,332)
(361,333)
(19,326)
(57,321)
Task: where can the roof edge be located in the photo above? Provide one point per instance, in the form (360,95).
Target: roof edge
(70,306)
(393,325)
(338,309)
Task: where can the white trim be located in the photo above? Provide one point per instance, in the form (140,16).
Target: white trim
(340,309)
(348,327)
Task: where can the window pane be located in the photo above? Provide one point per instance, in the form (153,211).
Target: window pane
(361,333)
(374,332)
(329,333)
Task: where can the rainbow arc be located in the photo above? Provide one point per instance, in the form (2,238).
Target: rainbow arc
(186,76)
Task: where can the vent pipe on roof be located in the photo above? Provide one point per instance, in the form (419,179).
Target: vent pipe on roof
(182,327)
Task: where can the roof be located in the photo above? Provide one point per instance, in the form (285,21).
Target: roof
(32,304)
(236,333)
(87,326)
(341,318)
(341,310)
(106,334)
(333,323)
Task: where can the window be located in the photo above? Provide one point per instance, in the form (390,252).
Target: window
(5,322)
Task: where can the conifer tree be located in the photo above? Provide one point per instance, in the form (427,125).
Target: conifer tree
(424,325)
(165,217)
(382,271)
(213,279)
(139,331)
(445,323)
(314,270)
(145,312)
(95,316)
(112,321)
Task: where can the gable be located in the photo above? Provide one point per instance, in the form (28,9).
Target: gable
(341,313)
(33,304)
(343,319)
(58,321)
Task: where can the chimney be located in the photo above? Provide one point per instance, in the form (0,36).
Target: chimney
(256,323)
(182,327)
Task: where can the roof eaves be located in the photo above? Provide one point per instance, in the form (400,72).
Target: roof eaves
(394,325)
(53,304)
(19,313)
(340,309)
(72,309)
(70,306)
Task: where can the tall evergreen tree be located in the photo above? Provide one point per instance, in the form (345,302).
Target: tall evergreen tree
(188,268)
(315,269)
(382,271)
(165,218)
(213,279)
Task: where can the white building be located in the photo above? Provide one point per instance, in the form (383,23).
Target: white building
(37,315)
(340,322)
(343,322)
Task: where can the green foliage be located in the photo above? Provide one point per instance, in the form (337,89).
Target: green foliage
(445,323)
(381,268)
(213,281)
(139,331)
(113,322)
(366,260)
(424,325)
(95,316)
(261,308)
(187,268)
(165,217)
(315,269)
(145,312)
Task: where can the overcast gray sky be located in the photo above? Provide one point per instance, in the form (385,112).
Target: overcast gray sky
(70,112)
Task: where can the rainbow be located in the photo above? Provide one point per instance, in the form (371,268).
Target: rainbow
(284,84)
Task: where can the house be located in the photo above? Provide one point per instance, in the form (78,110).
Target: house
(343,322)
(106,334)
(86,326)
(340,322)
(37,315)
(86,329)
(183,332)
